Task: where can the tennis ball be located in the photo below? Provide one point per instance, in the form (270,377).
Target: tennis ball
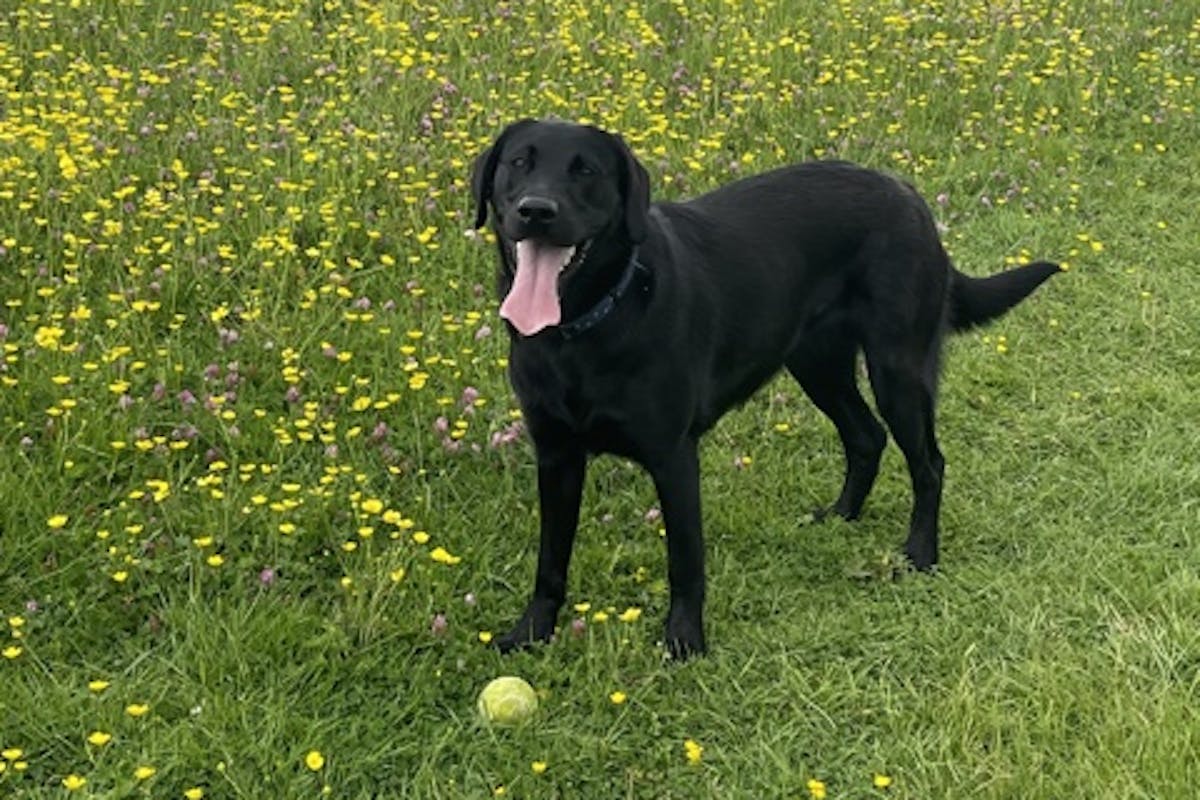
(507,700)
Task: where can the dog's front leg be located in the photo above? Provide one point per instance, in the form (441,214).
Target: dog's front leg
(560,486)
(677,479)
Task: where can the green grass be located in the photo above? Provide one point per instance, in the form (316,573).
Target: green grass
(242,302)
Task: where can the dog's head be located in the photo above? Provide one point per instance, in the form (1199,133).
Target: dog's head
(555,188)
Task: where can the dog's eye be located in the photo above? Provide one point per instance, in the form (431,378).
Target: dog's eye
(582,168)
(519,162)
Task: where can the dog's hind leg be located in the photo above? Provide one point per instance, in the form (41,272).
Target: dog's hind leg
(904,379)
(825,370)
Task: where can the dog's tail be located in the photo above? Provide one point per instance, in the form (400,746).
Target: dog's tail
(974,301)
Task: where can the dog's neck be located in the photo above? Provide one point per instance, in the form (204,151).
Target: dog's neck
(635,274)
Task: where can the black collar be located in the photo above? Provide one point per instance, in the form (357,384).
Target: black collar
(606,304)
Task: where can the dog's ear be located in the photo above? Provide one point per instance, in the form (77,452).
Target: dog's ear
(484,170)
(636,187)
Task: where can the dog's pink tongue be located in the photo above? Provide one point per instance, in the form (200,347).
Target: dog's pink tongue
(532,303)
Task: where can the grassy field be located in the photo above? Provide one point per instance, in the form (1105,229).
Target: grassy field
(265,495)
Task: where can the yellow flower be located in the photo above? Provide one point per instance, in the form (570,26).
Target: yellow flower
(485,636)
(70,171)
(144,772)
(73,782)
(314,760)
(99,738)
(442,556)
(881,781)
(194,793)
(12,753)
(11,652)
(630,614)
(816,789)
(371,506)
(538,767)
(618,697)
(693,750)
(57,521)
(98,686)
(137,709)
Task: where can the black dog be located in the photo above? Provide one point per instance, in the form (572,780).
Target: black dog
(635,327)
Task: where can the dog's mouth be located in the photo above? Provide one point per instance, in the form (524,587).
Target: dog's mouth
(532,303)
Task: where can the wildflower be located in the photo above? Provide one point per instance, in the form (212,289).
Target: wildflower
(57,521)
(137,709)
(11,652)
(630,614)
(443,556)
(618,697)
(99,738)
(98,686)
(144,772)
(881,781)
(314,760)
(538,767)
(194,793)
(73,782)
(816,789)
(693,750)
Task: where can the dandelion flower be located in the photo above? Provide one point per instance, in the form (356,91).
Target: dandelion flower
(74,783)
(618,697)
(693,750)
(314,760)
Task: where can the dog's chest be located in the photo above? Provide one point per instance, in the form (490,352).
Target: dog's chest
(589,400)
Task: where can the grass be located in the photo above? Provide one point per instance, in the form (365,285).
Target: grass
(263,495)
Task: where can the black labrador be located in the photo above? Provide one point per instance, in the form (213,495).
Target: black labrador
(634,327)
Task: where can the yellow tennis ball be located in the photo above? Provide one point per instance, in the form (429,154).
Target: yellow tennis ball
(507,700)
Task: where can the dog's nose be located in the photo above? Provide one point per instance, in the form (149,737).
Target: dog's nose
(532,208)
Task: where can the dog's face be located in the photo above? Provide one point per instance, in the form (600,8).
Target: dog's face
(555,188)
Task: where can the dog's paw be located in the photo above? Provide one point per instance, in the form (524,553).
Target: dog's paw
(536,626)
(684,635)
(922,558)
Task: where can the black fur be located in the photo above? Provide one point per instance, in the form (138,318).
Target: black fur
(799,268)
